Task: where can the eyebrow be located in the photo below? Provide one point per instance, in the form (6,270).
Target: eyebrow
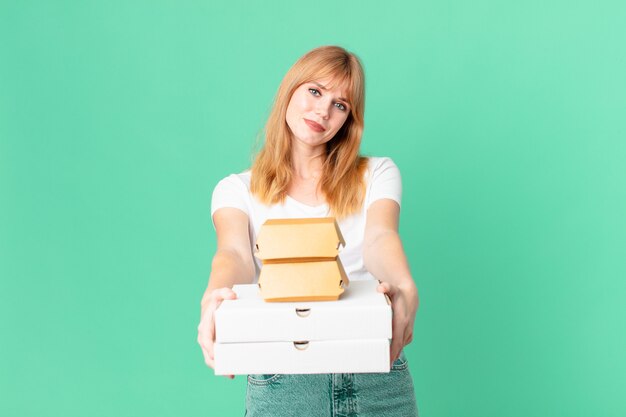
(324,88)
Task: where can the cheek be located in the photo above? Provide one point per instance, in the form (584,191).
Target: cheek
(341,121)
(293,108)
(301,102)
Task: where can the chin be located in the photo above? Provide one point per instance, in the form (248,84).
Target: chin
(311,141)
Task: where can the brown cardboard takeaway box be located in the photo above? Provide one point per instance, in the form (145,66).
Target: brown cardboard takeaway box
(301,260)
(349,335)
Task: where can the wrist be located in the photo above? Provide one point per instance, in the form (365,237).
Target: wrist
(408,287)
(409,290)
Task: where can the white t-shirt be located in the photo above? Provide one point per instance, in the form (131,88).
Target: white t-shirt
(382,181)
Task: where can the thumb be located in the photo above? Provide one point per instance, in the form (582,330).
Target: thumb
(387,288)
(227,294)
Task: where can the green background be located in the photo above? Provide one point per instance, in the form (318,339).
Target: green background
(507,120)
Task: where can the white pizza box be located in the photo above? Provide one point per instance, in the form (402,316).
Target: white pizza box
(312,357)
(360,313)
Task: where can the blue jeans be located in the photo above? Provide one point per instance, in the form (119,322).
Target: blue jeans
(333,395)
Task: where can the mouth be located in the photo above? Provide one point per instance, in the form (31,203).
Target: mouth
(314,126)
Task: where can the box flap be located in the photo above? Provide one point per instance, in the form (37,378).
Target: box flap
(281,240)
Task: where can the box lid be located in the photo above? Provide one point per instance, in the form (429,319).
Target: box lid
(361,313)
(303,281)
(291,240)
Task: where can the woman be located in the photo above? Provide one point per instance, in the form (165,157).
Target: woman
(310,167)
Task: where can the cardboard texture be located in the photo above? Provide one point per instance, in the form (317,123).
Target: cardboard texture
(299,239)
(304,281)
(300,260)
(346,335)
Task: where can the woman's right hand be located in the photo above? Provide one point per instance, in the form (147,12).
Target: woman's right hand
(206,328)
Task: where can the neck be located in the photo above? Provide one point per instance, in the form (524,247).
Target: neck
(307,161)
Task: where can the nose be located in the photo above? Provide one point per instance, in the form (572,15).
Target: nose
(322,108)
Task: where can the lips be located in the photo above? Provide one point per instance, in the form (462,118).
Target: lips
(314,126)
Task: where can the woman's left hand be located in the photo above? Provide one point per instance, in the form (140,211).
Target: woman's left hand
(404,303)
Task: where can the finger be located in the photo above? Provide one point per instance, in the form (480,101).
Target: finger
(397,343)
(386,287)
(397,337)
(205,341)
(223,294)
(205,335)
(228,294)
(209,328)
(402,331)
(207,359)
(396,348)
(408,337)
(207,347)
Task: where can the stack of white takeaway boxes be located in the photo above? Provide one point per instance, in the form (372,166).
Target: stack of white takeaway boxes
(347,332)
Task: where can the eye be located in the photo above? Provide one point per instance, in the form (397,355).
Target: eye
(314,91)
(341,107)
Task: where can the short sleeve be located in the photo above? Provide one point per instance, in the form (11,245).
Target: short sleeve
(385,181)
(230,192)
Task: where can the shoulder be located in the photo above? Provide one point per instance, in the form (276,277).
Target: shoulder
(241,180)
(233,184)
(375,163)
(232,191)
(381,164)
(383,180)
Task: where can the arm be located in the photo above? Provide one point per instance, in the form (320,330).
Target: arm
(232,264)
(384,258)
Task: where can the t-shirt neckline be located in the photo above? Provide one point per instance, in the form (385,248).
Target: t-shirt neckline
(318,207)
